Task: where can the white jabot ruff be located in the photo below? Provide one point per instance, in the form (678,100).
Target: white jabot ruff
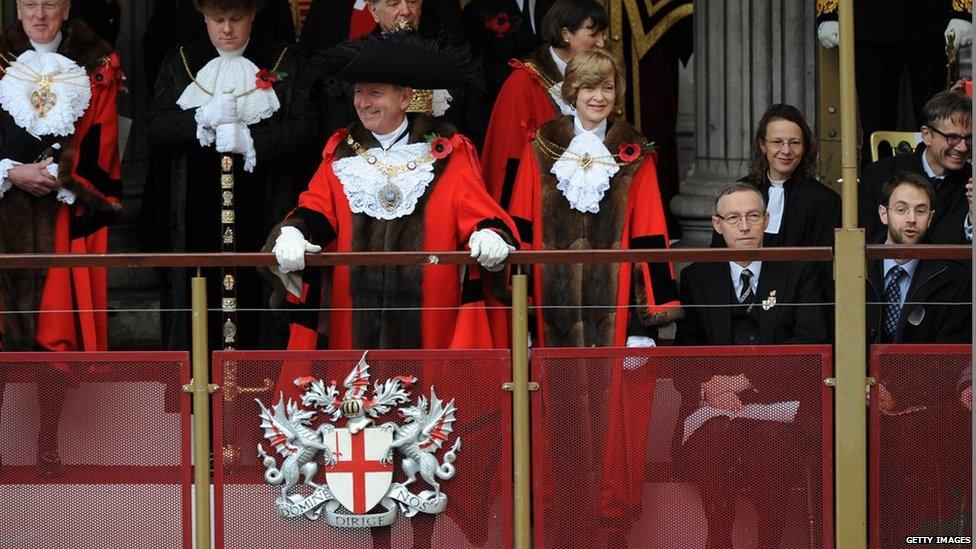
(377,195)
(55,82)
(441,102)
(230,72)
(584,186)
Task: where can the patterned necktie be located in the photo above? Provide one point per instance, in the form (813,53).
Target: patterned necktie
(892,310)
(745,292)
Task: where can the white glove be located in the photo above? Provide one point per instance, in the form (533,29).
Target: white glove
(634,362)
(489,248)
(640,341)
(234,138)
(290,248)
(221,109)
(829,34)
(964,32)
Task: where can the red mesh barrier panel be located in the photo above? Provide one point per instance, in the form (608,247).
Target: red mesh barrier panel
(95,450)
(624,455)
(921,436)
(478,497)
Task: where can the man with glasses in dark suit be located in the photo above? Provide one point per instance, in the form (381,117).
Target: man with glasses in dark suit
(743,303)
(943,158)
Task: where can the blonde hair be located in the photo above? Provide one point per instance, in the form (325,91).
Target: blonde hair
(588,69)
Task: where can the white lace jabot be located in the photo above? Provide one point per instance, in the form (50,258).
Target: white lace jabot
(231,74)
(45,93)
(382,196)
(584,170)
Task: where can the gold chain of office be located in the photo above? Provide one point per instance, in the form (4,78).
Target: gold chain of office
(386,169)
(556,152)
(189,73)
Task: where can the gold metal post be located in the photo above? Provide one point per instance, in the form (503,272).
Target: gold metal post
(201,413)
(520,412)
(850,414)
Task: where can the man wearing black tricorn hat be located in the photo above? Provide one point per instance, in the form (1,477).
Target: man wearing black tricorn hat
(397,182)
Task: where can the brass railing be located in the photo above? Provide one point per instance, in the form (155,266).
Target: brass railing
(520,387)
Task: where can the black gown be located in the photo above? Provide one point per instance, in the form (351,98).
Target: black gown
(186,197)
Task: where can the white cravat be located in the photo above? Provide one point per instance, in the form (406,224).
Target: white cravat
(50,47)
(776,205)
(396,137)
(600,131)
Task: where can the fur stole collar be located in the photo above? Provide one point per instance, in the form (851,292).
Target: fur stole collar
(80,44)
(565,228)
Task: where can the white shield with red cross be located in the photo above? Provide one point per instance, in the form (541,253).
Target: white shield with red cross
(358,479)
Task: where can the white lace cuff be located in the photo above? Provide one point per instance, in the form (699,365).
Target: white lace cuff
(5,166)
(66,196)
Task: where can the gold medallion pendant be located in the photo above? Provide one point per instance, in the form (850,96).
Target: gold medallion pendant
(390,196)
(42,97)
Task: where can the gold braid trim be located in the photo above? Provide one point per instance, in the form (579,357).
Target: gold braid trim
(963,5)
(830,6)
(556,152)
(193,78)
(546,81)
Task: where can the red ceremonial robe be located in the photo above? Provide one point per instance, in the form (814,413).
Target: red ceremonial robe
(523,105)
(370,306)
(73,301)
(588,306)
(427,307)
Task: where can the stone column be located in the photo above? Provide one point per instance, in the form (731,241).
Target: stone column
(749,54)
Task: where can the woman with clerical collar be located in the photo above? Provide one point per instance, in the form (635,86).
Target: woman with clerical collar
(531,95)
(802,210)
(229,93)
(589,182)
(60,187)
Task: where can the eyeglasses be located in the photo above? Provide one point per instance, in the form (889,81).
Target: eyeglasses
(902,210)
(778,143)
(733,220)
(953,139)
(46,6)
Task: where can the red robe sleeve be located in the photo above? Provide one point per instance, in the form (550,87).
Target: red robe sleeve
(648,229)
(522,106)
(478,327)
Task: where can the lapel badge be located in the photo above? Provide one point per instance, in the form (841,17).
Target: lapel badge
(916,316)
(770,301)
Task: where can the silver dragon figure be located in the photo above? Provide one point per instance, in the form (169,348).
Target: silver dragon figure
(425,431)
(287,430)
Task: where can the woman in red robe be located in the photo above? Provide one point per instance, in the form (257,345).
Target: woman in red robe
(588,183)
(531,96)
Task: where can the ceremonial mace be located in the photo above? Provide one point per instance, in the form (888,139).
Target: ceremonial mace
(952,60)
(228,306)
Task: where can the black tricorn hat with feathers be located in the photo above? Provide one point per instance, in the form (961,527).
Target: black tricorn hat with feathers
(407,59)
